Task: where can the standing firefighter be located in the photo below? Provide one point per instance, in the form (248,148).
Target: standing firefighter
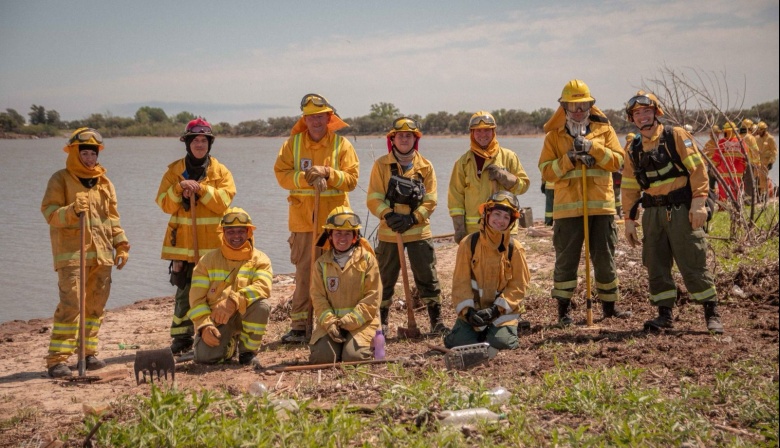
(201,179)
(83,190)
(402,194)
(578,135)
(751,178)
(729,160)
(315,165)
(468,188)
(490,279)
(344,292)
(666,169)
(228,303)
(768,148)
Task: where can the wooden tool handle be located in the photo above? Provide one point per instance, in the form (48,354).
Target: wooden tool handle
(333,365)
(407,290)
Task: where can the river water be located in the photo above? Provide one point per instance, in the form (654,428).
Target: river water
(136,165)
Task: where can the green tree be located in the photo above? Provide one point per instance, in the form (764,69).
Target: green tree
(53,118)
(150,115)
(386,111)
(11,120)
(184,117)
(37,114)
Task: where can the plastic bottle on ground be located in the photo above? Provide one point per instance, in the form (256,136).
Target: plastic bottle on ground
(379,344)
(498,395)
(258,389)
(466,416)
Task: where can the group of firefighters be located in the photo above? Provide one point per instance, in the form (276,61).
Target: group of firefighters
(343,284)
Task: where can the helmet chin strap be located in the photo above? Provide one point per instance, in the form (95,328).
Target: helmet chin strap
(649,126)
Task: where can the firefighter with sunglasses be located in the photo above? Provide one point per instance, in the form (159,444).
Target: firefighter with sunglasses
(82,189)
(402,194)
(202,177)
(313,158)
(667,176)
(469,188)
(345,292)
(579,134)
(228,297)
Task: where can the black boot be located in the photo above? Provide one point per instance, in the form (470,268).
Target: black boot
(664,320)
(181,344)
(609,310)
(384,316)
(712,317)
(564,312)
(434,315)
(523,325)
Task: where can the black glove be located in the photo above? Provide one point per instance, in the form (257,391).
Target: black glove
(586,160)
(572,156)
(473,318)
(582,144)
(544,189)
(400,223)
(769,166)
(488,315)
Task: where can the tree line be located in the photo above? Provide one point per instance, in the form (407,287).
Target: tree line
(154,122)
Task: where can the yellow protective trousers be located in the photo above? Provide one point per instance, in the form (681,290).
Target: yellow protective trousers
(300,256)
(64,335)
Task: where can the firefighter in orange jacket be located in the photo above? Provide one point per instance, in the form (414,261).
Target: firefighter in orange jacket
(228,295)
(82,188)
(578,135)
(200,176)
(402,194)
(313,158)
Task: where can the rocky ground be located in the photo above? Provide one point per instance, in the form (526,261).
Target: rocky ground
(749,309)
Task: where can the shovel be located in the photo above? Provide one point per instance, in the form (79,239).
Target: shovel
(412,332)
(154,362)
(82,363)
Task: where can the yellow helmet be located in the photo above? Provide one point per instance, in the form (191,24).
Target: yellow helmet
(405,124)
(630,136)
(236,217)
(84,136)
(728,129)
(761,125)
(575,91)
(482,119)
(716,129)
(501,200)
(313,103)
(342,218)
(745,125)
(644,99)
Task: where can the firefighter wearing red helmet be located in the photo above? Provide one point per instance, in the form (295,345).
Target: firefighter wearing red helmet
(202,177)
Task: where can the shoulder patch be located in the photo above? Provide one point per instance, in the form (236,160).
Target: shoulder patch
(688,143)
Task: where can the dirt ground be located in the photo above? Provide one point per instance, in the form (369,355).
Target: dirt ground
(749,309)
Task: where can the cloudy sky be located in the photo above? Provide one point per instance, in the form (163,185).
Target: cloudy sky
(243,60)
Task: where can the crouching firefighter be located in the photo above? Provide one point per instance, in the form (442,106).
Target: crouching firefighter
(402,194)
(666,175)
(228,295)
(490,279)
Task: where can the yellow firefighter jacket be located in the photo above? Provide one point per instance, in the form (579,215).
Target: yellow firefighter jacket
(104,231)
(467,190)
(768,149)
(556,166)
(690,157)
(753,151)
(300,152)
(487,277)
(377,189)
(354,290)
(217,278)
(216,195)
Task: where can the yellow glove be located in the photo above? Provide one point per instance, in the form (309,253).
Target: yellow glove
(81,204)
(631,235)
(698,213)
(121,255)
(335,333)
(222,311)
(349,322)
(211,336)
(320,185)
(316,172)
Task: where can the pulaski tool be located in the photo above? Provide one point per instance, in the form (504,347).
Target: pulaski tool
(154,362)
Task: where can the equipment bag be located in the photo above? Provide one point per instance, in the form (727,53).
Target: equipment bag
(402,190)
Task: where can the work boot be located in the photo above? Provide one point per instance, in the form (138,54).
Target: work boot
(93,363)
(523,325)
(294,337)
(712,317)
(246,358)
(434,315)
(609,310)
(181,345)
(60,370)
(664,320)
(564,312)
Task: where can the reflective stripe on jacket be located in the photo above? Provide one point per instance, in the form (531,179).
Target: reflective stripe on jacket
(377,189)
(104,231)
(217,192)
(555,166)
(467,191)
(300,152)
(215,278)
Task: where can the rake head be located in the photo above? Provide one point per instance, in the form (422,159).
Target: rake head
(154,362)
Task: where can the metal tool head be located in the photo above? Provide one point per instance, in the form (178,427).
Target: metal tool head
(409,333)
(467,356)
(154,362)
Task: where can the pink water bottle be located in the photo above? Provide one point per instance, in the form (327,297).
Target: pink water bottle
(379,344)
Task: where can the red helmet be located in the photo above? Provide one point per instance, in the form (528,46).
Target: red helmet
(198,126)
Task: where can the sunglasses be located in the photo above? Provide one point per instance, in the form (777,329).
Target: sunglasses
(231,218)
(199,130)
(487,119)
(641,100)
(577,107)
(85,135)
(315,99)
(405,124)
(503,196)
(342,219)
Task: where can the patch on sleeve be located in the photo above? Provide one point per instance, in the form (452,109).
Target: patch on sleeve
(688,143)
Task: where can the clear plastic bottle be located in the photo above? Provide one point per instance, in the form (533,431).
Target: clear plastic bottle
(498,395)
(466,416)
(258,389)
(379,344)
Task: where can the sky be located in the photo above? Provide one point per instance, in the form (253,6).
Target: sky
(235,61)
